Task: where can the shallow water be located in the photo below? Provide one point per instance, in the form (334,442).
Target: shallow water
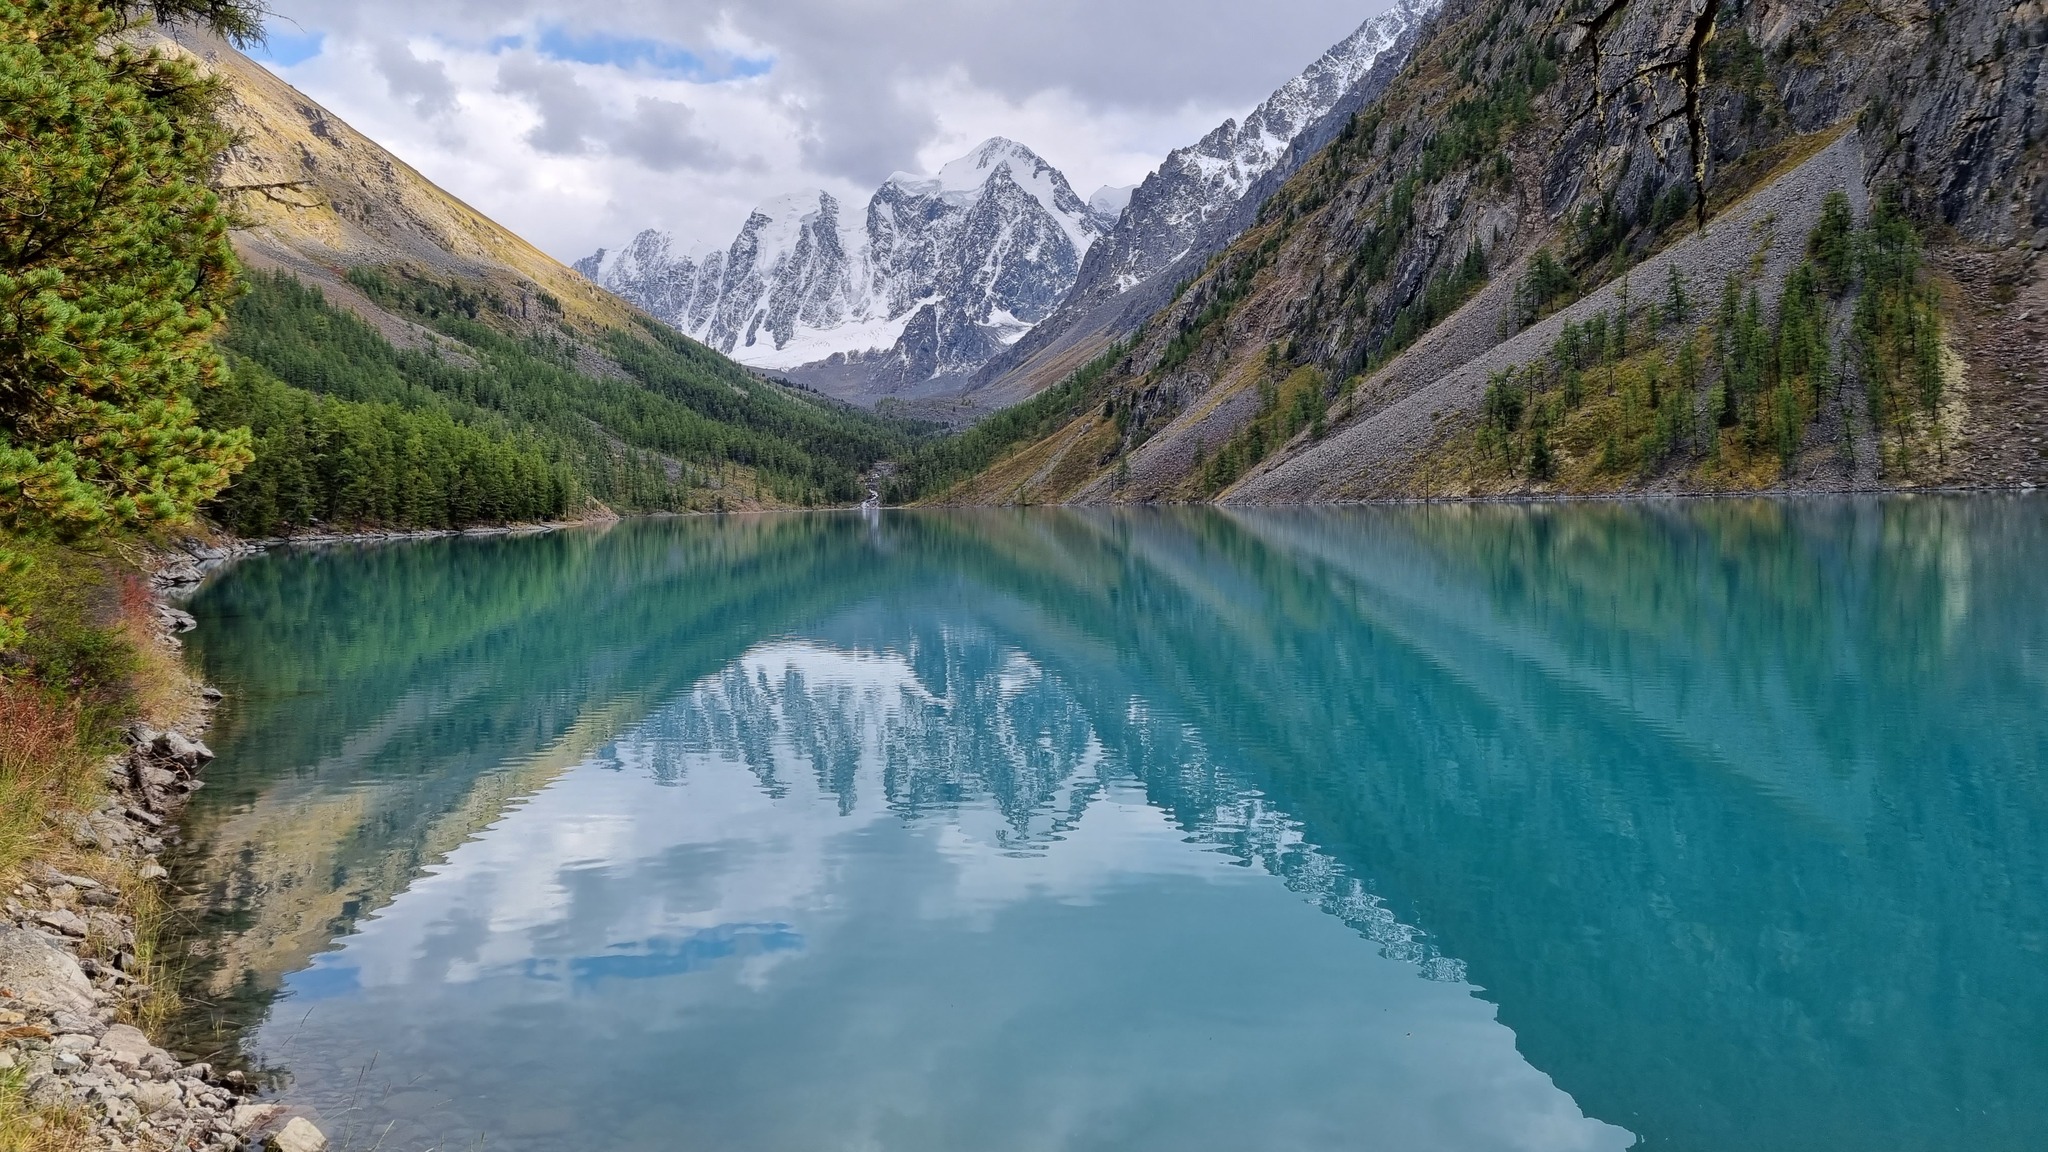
(1712,825)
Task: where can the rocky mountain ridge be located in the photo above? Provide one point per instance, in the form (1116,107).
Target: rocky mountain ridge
(1631,246)
(1196,203)
(933,276)
(1197,186)
(899,304)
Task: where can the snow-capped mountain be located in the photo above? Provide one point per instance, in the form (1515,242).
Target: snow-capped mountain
(1198,201)
(1196,185)
(1107,204)
(937,275)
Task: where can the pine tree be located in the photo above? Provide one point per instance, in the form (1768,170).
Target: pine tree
(115,269)
(1677,307)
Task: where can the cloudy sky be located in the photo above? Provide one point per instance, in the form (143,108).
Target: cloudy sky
(577,122)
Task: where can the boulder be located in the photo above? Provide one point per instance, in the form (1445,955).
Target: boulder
(126,1045)
(38,974)
(77,1022)
(182,749)
(251,1118)
(298,1135)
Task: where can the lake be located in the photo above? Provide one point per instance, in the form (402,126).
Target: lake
(1706,825)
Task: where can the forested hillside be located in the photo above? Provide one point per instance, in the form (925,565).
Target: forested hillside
(501,421)
(404,361)
(1689,245)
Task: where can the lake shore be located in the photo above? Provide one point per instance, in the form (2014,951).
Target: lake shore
(82,983)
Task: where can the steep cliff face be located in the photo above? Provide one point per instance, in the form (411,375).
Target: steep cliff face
(1199,200)
(1180,205)
(1594,248)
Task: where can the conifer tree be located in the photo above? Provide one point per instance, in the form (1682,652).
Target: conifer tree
(115,270)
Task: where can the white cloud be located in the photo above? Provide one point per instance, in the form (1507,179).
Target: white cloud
(577,127)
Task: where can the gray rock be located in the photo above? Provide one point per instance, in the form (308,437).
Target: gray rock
(62,920)
(77,1022)
(48,1091)
(51,878)
(155,1097)
(73,1042)
(125,1045)
(37,974)
(85,834)
(121,1112)
(142,735)
(152,871)
(298,1135)
(183,749)
(248,1118)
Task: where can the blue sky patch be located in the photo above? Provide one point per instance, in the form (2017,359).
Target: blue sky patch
(324,981)
(558,43)
(667,956)
(286,47)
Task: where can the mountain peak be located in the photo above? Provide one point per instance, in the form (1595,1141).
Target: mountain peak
(986,246)
(969,173)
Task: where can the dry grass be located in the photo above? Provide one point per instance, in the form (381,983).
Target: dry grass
(44,767)
(158,688)
(156,1008)
(27,1128)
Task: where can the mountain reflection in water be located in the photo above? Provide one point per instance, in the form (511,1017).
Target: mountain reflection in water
(1709,825)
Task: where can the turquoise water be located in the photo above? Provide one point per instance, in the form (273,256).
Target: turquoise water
(1715,825)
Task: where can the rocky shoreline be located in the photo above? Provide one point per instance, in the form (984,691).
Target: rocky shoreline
(72,983)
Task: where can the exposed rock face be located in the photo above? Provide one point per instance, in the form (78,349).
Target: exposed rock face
(1198,201)
(1692,138)
(1197,187)
(932,278)
(945,276)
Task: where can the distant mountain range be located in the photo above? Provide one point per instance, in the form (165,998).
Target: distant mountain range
(940,276)
(931,278)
